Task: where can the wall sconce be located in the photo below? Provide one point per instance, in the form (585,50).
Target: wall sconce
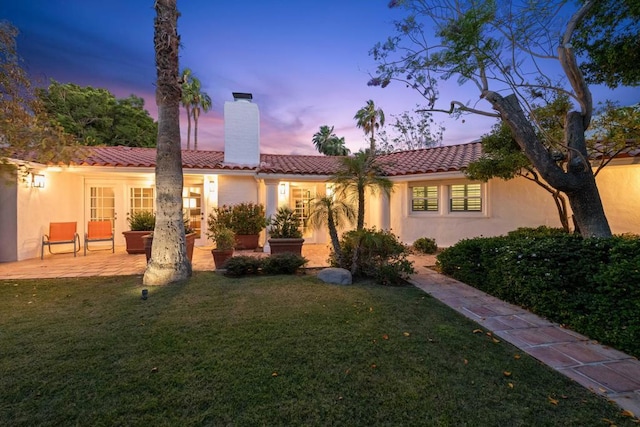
(212,186)
(283,188)
(37,180)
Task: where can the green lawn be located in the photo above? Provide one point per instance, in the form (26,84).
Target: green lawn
(265,351)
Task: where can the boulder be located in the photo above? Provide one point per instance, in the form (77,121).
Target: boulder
(338,276)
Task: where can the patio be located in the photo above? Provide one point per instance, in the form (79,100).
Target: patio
(104,263)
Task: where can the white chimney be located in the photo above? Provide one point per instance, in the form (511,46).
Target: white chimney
(241,130)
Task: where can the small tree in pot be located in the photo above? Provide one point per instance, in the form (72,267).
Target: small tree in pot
(224,239)
(141,224)
(246,220)
(284,232)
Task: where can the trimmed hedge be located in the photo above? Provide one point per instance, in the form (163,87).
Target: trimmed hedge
(284,263)
(590,285)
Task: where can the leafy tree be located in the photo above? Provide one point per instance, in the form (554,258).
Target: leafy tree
(96,117)
(411,131)
(357,174)
(335,213)
(615,130)
(169,262)
(328,143)
(500,47)
(608,38)
(370,119)
(25,127)
(195,102)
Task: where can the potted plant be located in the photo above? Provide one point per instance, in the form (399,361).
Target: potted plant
(284,232)
(246,220)
(224,239)
(141,224)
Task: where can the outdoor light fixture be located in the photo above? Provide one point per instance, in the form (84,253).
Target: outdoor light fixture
(37,180)
(145,293)
(212,186)
(282,188)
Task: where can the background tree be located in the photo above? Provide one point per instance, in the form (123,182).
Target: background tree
(370,119)
(607,37)
(328,143)
(195,102)
(335,214)
(358,174)
(497,47)
(615,129)
(411,130)
(201,104)
(169,262)
(96,117)
(24,124)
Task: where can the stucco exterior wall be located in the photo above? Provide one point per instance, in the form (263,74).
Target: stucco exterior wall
(507,205)
(61,200)
(237,189)
(620,192)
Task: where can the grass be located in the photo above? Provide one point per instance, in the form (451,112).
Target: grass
(272,351)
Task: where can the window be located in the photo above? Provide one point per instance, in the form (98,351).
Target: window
(465,198)
(424,198)
(141,199)
(102,202)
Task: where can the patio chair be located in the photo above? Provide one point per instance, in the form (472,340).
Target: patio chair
(98,231)
(61,233)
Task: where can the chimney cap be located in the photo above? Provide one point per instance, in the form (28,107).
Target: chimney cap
(242,95)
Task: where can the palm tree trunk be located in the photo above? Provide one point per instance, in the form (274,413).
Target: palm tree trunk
(196,113)
(335,241)
(169,262)
(186,107)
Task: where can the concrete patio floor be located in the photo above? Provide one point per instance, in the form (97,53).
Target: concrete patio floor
(603,370)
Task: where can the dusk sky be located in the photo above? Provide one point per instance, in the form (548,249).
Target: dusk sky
(305,62)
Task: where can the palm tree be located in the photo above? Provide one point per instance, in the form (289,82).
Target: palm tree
(357,174)
(328,143)
(201,103)
(169,262)
(335,214)
(370,120)
(188,82)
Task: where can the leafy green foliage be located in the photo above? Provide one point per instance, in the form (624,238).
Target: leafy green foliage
(284,263)
(411,130)
(591,284)
(96,117)
(242,218)
(426,245)
(610,38)
(376,254)
(285,224)
(142,221)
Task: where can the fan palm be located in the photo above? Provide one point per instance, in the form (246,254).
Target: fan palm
(328,143)
(201,103)
(358,173)
(370,119)
(335,214)
(188,83)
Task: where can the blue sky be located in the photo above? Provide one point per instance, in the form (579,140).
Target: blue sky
(306,62)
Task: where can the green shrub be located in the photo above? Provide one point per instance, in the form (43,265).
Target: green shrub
(591,285)
(426,245)
(242,218)
(142,221)
(285,224)
(542,231)
(242,265)
(378,255)
(284,263)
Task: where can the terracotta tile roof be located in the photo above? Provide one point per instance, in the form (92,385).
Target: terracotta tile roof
(447,158)
(430,160)
(295,164)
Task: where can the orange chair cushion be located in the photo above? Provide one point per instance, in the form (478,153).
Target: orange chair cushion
(62,231)
(99,230)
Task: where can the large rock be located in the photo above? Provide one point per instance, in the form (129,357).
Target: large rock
(338,276)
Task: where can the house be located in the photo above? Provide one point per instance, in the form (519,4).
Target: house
(431,196)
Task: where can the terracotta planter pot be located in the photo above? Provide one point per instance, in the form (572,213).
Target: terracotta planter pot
(148,242)
(279,246)
(246,241)
(220,257)
(135,244)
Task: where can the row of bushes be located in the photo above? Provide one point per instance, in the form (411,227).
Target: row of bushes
(590,285)
(284,263)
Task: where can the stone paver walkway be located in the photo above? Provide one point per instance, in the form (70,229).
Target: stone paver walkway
(603,370)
